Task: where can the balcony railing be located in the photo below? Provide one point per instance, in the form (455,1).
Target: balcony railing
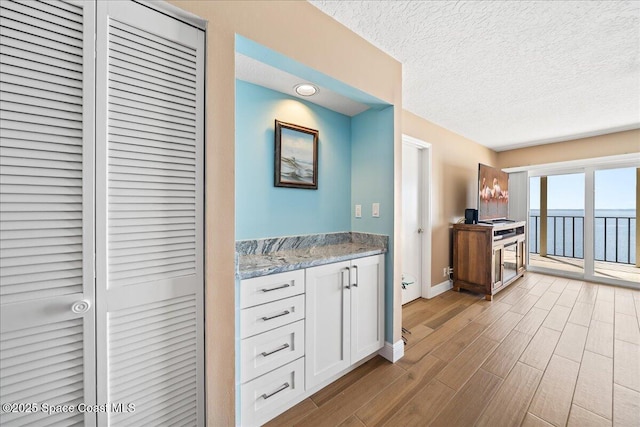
(613,237)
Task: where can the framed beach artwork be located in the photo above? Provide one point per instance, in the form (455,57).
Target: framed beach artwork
(296,156)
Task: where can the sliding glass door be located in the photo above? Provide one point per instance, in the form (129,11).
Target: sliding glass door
(583,224)
(615,225)
(556,222)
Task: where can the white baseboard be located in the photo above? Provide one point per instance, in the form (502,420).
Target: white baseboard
(436,290)
(392,352)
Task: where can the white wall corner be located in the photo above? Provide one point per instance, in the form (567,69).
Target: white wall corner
(438,289)
(392,352)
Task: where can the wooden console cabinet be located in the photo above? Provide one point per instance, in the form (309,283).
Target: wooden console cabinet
(488,257)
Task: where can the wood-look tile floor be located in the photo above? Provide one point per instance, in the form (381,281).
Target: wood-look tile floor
(546,351)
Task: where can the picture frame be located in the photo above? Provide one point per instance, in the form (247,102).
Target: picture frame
(296,156)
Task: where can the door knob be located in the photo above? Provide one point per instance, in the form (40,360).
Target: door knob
(420,230)
(80,307)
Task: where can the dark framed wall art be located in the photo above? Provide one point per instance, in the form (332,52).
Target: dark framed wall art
(296,156)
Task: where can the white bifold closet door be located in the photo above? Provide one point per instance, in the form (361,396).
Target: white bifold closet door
(149,198)
(47,318)
(101,217)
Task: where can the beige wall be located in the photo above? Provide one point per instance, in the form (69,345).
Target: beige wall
(454,182)
(299,31)
(578,149)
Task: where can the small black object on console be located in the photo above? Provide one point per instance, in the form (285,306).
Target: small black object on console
(471,216)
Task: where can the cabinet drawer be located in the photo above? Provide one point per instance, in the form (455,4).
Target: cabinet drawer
(265,352)
(269,395)
(262,318)
(260,290)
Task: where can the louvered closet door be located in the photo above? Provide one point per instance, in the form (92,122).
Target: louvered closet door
(46,209)
(150,268)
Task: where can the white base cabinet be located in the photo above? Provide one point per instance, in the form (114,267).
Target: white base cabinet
(344,312)
(272,345)
(303,328)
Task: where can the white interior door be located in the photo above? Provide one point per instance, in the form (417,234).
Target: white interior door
(150,215)
(47,330)
(412,227)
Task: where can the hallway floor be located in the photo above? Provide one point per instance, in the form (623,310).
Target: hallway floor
(546,351)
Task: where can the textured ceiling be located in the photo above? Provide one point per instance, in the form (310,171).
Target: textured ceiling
(510,73)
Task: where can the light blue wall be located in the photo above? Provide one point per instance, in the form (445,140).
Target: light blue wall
(356,163)
(372,182)
(263,210)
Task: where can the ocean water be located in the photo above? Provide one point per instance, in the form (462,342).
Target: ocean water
(296,170)
(568,240)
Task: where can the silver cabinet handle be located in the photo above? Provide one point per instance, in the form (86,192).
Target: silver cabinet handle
(282,387)
(269,353)
(355,267)
(277,315)
(275,289)
(348,279)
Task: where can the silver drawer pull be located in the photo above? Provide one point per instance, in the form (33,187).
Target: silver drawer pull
(355,267)
(275,289)
(282,347)
(282,387)
(348,278)
(277,315)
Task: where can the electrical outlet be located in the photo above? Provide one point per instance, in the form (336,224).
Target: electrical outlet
(444,271)
(358,211)
(375,210)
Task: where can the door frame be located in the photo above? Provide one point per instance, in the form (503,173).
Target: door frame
(425,187)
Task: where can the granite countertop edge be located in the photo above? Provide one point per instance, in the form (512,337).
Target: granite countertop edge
(282,265)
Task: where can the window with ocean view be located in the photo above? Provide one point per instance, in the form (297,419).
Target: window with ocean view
(558,242)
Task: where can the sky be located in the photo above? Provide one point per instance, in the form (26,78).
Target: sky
(297,145)
(614,189)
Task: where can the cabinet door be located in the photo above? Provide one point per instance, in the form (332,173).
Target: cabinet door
(472,255)
(367,311)
(520,257)
(497,268)
(327,321)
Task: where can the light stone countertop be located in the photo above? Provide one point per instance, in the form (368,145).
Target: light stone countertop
(262,264)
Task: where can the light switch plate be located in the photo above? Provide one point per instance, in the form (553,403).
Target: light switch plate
(375,210)
(358,211)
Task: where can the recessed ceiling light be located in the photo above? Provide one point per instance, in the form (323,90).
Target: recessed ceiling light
(306,89)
